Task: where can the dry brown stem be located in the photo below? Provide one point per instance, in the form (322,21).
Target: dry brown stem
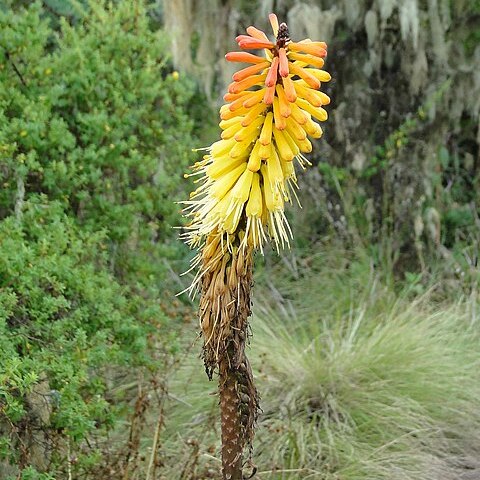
(224,311)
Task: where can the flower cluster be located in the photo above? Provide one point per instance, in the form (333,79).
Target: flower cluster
(272,109)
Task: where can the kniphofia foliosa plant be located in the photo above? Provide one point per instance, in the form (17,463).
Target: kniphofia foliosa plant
(244,180)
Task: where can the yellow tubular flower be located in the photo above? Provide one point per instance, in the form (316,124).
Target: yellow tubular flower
(280,122)
(313,129)
(254,231)
(275,173)
(252,99)
(231,222)
(241,148)
(295,130)
(269,191)
(320,75)
(283,103)
(288,169)
(255,160)
(254,205)
(289,88)
(237,104)
(318,113)
(265,151)
(222,165)
(231,131)
(241,190)
(266,134)
(224,124)
(308,94)
(292,143)
(253,114)
(251,131)
(305,75)
(297,114)
(307,59)
(227,114)
(222,146)
(224,184)
(282,144)
(271,113)
(305,146)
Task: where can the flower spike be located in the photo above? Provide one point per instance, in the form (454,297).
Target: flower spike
(269,114)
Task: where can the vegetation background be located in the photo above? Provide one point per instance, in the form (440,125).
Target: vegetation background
(365,334)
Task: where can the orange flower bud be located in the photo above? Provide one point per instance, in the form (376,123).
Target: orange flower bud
(283,62)
(243,57)
(317,49)
(273,22)
(246,72)
(256,33)
(250,43)
(272,73)
(237,87)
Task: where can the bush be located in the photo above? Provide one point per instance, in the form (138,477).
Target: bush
(63,319)
(94,139)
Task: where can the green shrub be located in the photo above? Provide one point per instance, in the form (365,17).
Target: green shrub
(63,318)
(93,119)
(94,139)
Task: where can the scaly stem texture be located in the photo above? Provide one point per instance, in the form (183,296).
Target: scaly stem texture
(225,303)
(232,443)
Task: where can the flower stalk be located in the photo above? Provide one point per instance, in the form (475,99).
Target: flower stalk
(245,179)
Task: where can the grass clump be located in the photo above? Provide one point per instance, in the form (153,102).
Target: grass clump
(367,385)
